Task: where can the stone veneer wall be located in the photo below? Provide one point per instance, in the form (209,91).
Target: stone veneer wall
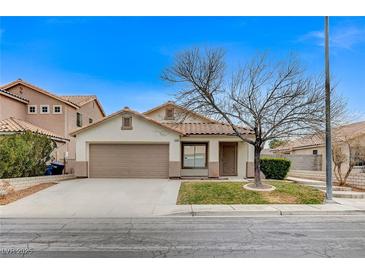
(356,179)
(25,182)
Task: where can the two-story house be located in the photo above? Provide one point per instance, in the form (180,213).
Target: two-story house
(24,106)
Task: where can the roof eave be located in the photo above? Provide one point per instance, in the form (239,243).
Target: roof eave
(59,139)
(18,82)
(74,133)
(17,98)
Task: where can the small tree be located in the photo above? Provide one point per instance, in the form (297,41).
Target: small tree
(355,154)
(276,101)
(23,155)
(276,143)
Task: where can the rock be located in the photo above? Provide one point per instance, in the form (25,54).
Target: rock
(5,188)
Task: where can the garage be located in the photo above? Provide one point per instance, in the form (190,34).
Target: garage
(129,160)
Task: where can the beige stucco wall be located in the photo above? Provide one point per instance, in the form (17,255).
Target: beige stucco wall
(142,132)
(89,110)
(309,151)
(52,122)
(11,108)
(322,151)
(147,132)
(159,115)
(61,124)
(244,154)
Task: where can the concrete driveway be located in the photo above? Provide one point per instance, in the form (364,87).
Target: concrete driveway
(97,198)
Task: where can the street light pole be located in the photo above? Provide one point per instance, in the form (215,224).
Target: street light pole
(328,114)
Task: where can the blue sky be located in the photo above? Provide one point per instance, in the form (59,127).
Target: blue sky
(120,59)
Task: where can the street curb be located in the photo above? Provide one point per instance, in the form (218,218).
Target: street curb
(265,214)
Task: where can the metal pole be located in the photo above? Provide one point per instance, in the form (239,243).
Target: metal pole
(328,115)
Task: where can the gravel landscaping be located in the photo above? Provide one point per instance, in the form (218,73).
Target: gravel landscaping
(16,195)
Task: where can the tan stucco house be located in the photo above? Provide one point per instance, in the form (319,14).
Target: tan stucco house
(165,142)
(315,144)
(24,106)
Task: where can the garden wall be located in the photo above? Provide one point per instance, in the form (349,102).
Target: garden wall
(25,182)
(356,178)
(301,162)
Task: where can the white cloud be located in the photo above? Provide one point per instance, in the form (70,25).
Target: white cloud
(340,37)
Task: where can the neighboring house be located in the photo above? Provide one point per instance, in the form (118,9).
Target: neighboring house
(315,144)
(13,125)
(165,142)
(24,106)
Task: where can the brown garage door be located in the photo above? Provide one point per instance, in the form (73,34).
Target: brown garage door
(129,160)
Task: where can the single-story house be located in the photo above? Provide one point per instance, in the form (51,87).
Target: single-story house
(167,141)
(353,133)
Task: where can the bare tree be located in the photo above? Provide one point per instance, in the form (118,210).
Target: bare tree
(276,101)
(347,152)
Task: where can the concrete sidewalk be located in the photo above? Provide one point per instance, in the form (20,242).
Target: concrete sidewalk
(338,191)
(341,207)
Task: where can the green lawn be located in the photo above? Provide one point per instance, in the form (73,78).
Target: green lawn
(233,193)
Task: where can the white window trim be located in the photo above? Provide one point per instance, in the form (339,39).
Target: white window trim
(40,109)
(54,107)
(35,106)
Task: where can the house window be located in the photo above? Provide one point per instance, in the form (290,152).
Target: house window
(32,109)
(78,119)
(194,155)
(44,109)
(91,120)
(169,114)
(57,109)
(127,122)
(315,152)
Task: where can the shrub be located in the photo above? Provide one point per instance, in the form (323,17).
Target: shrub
(275,168)
(23,155)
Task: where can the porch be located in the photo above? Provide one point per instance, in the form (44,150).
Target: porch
(216,157)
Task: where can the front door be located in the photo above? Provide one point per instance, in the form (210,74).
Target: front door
(228,159)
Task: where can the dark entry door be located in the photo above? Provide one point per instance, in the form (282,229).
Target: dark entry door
(228,159)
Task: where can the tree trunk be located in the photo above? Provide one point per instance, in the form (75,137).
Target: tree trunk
(257,166)
(338,174)
(347,174)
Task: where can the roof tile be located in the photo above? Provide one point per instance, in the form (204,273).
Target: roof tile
(206,128)
(79,99)
(349,131)
(14,125)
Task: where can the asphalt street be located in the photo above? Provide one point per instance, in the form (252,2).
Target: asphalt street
(291,236)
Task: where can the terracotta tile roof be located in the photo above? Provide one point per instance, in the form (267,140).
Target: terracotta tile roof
(14,125)
(79,100)
(312,140)
(14,96)
(349,131)
(206,128)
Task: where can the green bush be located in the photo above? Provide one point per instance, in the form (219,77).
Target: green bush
(23,155)
(275,168)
